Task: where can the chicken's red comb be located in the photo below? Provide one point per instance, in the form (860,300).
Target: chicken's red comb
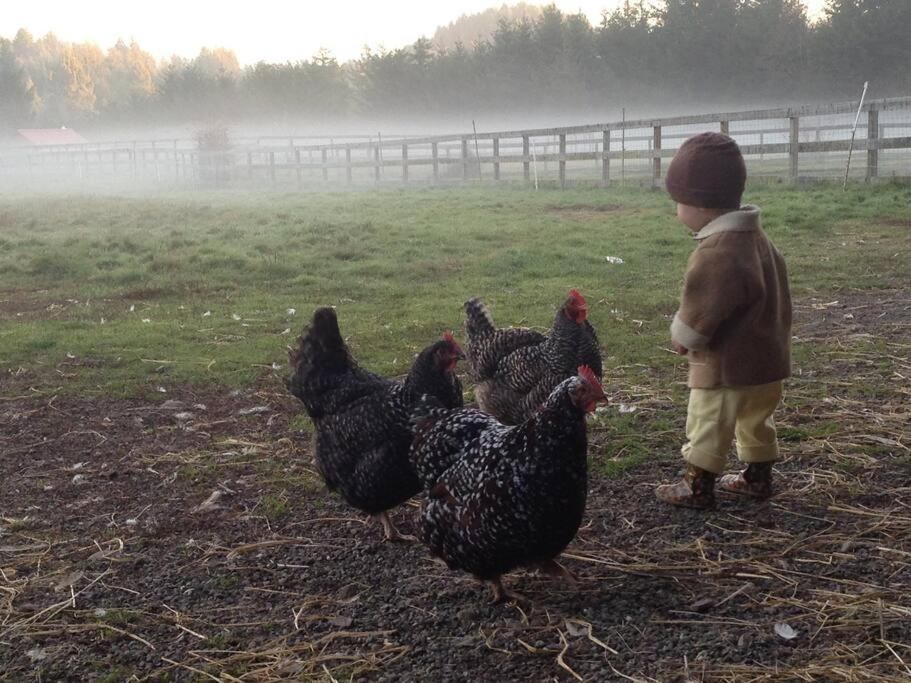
(447,336)
(589,376)
(577,298)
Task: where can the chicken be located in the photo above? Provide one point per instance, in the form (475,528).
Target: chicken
(502,497)
(361,420)
(515,369)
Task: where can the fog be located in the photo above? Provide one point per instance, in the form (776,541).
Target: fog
(538,68)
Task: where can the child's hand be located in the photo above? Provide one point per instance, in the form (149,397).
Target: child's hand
(680,348)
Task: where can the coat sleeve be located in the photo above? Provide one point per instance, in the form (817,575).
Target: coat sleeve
(713,289)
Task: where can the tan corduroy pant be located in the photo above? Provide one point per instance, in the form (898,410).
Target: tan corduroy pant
(716,417)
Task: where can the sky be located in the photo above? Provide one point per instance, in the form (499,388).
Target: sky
(268,30)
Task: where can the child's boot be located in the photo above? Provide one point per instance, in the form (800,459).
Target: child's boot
(696,490)
(755,481)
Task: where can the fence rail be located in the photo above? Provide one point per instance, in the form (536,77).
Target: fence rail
(807,142)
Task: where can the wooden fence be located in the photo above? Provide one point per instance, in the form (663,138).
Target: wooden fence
(787,143)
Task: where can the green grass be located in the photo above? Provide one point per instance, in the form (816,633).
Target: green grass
(114,674)
(274,507)
(119,617)
(123,284)
(817,430)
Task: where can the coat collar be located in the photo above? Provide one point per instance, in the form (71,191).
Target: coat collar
(745,219)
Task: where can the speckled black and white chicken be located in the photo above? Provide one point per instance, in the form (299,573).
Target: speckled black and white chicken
(502,497)
(362,432)
(515,369)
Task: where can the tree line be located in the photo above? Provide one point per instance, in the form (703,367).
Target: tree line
(641,53)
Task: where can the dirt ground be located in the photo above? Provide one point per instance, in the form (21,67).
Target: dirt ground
(190,539)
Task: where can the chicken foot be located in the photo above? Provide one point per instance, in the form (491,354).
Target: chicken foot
(389,530)
(500,594)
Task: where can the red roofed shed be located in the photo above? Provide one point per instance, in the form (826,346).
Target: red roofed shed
(45,137)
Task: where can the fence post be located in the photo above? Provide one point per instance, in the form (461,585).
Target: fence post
(656,156)
(496,158)
(435,153)
(605,158)
(526,166)
(794,146)
(726,127)
(297,167)
(324,157)
(272,167)
(404,163)
(465,158)
(176,162)
(348,164)
(562,160)
(249,165)
(376,163)
(872,142)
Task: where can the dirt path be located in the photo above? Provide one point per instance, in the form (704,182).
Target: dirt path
(113,563)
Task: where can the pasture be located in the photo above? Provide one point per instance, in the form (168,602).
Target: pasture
(160,516)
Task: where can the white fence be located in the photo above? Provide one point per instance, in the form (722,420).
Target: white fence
(786,144)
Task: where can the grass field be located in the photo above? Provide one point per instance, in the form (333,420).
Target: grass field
(150,291)
(114,296)
(112,307)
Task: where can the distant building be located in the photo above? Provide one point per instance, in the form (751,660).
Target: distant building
(51,137)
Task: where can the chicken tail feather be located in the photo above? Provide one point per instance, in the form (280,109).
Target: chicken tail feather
(320,345)
(478,322)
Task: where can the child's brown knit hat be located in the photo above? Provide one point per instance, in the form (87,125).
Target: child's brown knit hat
(708,172)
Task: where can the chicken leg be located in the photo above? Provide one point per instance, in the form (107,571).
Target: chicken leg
(501,594)
(390,532)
